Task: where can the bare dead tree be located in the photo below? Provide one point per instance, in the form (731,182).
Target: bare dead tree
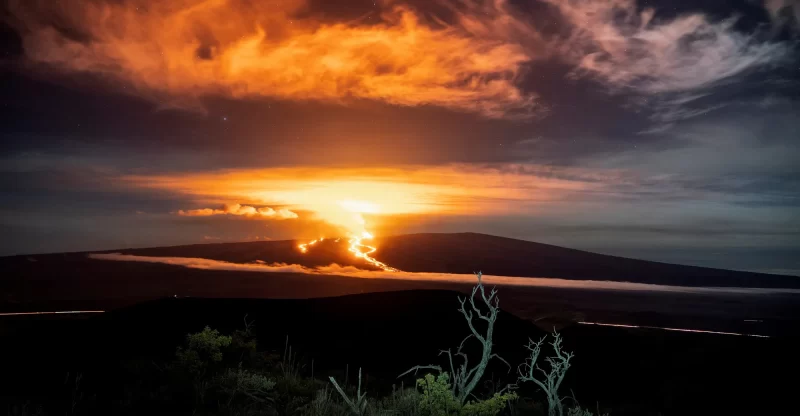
(559,364)
(465,378)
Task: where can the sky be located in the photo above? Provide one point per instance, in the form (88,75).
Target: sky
(662,130)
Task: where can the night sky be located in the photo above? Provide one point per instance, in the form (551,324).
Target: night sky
(660,130)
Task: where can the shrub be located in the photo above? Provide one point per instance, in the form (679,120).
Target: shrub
(437,396)
(438,400)
(201,349)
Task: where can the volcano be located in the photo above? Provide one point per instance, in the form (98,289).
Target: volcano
(466,253)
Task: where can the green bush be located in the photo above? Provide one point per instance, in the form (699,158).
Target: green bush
(437,396)
(201,349)
(438,399)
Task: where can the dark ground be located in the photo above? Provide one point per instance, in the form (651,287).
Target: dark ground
(630,371)
(68,282)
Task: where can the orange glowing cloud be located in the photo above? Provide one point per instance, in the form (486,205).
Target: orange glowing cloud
(175,52)
(341,196)
(242,210)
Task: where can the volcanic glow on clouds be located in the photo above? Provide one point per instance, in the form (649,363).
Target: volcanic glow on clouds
(344,196)
(176,51)
(335,194)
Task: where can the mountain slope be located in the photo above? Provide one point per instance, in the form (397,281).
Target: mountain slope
(468,252)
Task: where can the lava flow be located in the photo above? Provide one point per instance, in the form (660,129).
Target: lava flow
(304,247)
(356,247)
(348,214)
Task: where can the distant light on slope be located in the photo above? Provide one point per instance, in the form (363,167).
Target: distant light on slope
(673,329)
(48,313)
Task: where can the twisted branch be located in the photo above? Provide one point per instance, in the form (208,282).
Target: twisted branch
(465,379)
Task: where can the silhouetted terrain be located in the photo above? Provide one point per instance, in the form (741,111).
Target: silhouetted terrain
(468,252)
(632,372)
(74,281)
(465,252)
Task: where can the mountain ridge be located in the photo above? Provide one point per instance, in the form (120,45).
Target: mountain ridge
(464,253)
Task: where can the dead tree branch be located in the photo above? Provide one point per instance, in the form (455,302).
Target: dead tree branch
(466,378)
(559,364)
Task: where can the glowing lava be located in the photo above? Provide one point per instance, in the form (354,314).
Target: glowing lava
(357,247)
(304,247)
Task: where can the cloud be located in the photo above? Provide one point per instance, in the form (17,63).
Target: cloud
(354,272)
(674,68)
(243,210)
(459,189)
(474,60)
(784,12)
(684,180)
(174,52)
(632,50)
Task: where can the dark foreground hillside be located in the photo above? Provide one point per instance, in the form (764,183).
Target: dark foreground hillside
(631,372)
(76,282)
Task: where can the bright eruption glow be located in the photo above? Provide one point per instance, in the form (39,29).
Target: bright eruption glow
(342,197)
(357,236)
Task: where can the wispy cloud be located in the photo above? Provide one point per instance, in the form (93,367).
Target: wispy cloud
(241,210)
(179,51)
(668,64)
(354,272)
(784,12)
(174,52)
(631,49)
